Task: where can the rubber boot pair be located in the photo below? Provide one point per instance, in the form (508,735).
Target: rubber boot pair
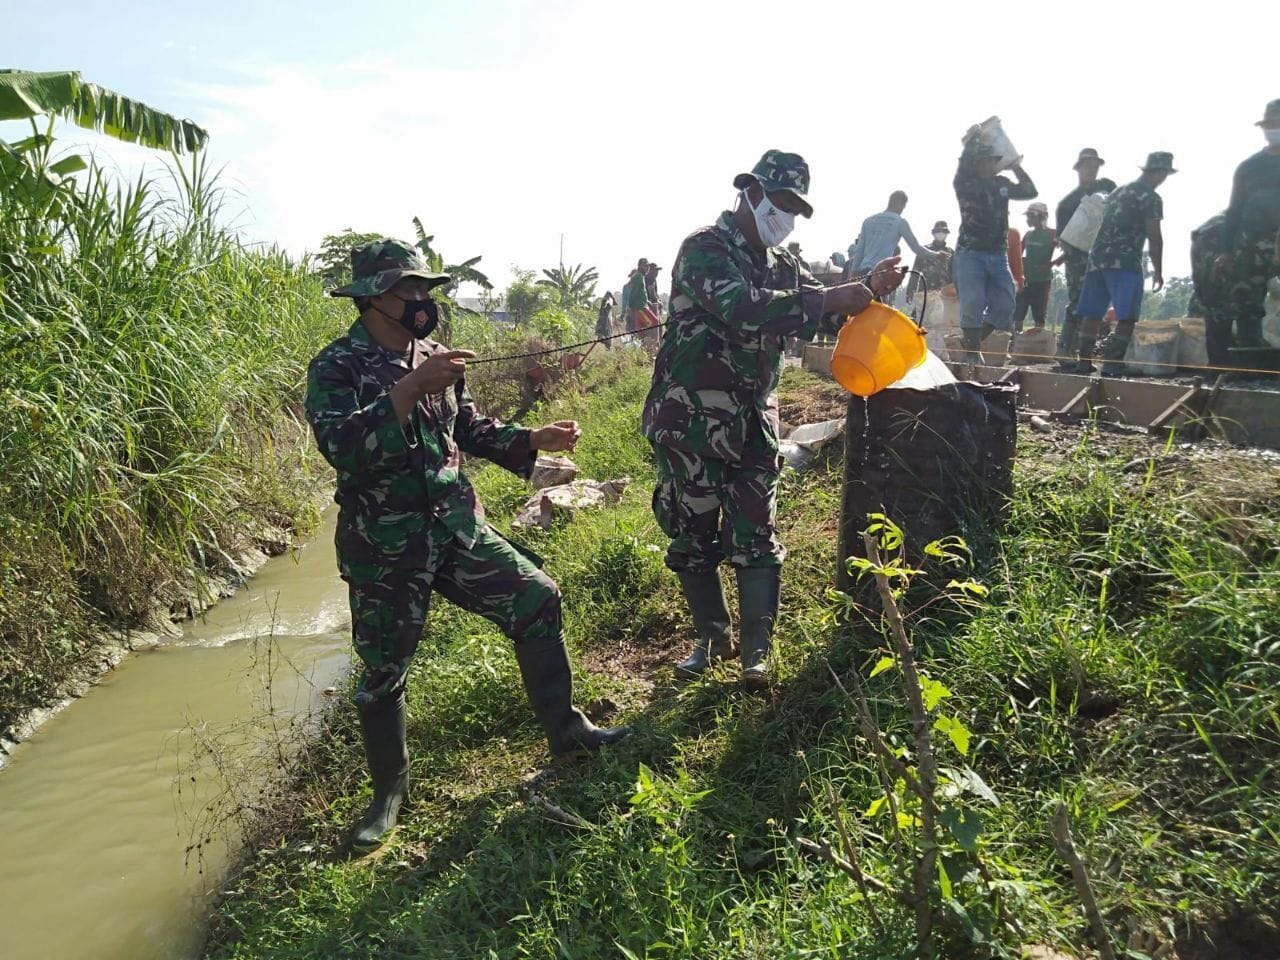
(382,727)
(548,681)
(759,595)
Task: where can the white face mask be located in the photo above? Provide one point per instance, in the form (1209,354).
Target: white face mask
(940,236)
(772,224)
(1273,136)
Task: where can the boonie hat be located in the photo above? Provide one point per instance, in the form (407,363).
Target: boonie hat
(1159,161)
(1088,153)
(376,266)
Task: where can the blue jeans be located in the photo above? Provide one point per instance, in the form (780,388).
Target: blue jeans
(985,287)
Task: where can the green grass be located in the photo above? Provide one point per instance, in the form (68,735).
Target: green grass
(1125,662)
(150,366)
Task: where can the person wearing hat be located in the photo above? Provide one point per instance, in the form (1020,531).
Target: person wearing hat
(936,270)
(1037,270)
(984,280)
(1212,289)
(391,413)
(1076,262)
(1251,233)
(712,409)
(1114,278)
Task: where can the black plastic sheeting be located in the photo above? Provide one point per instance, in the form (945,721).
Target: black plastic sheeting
(936,462)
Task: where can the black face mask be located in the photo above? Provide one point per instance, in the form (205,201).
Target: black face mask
(419,317)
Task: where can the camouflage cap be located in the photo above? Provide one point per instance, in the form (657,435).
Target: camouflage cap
(375,268)
(1272,116)
(1159,161)
(777,170)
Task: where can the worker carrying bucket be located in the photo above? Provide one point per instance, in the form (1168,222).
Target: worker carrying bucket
(712,413)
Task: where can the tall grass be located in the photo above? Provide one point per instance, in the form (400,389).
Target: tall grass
(150,369)
(1124,662)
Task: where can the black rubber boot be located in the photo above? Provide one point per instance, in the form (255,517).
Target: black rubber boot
(1067,339)
(1112,353)
(1249,334)
(1087,347)
(705,594)
(382,725)
(971,338)
(759,593)
(548,680)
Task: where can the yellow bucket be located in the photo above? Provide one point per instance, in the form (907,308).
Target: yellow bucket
(876,348)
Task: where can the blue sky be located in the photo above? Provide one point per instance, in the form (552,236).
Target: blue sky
(505,125)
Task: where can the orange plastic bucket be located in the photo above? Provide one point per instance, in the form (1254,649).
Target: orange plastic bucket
(876,348)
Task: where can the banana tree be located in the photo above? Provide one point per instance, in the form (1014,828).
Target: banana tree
(465,272)
(575,286)
(29,95)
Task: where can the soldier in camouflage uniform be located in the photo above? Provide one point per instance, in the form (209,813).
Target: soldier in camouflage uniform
(1211,297)
(391,412)
(1251,232)
(1076,262)
(712,411)
(1132,218)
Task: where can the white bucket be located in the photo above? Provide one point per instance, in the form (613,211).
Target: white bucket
(993,135)
(1082,229)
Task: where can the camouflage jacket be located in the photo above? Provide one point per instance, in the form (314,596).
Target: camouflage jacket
(984,203)
(1207,242)
(1254,211)
(1124,227)
(715,378)
(938,271)
(401,490)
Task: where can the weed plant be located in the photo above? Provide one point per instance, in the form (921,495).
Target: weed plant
(1124,662)
(150,370)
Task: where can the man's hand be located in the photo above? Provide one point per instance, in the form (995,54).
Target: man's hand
(561,435)
(1157,282)
(886,276)
(440,371)
(846,299)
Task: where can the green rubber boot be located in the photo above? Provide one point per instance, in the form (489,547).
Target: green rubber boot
(382,726)
(548,680)
(759,594)
(1065,354)
(705,595)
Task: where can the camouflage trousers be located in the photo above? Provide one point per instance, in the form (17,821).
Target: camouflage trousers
(492,578)
(1253,264)
(1076,265)
(714,510)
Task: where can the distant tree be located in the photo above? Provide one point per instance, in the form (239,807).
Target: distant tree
(447,294)
(524,296)
(1173,301)
(574,286)
(333,262)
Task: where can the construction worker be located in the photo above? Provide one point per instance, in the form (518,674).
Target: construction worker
(983,277)
(604,319)
(1249,234)
(1132,218)
(1037,271)
(712,410)
(391,412)
(635,298)
(880,235)
(936,270)
(1076,262)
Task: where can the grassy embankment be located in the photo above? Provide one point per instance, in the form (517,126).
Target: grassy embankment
(1125,662)
(150,374)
